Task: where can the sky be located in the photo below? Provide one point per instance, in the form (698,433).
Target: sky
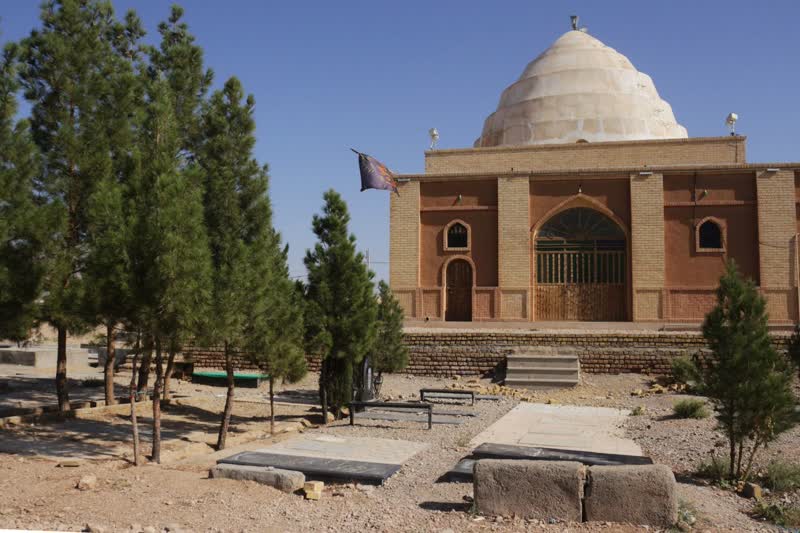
(375,75)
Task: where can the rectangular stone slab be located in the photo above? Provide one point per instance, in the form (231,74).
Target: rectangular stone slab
(409,417)
(317,467)
(435,412)
(508,451)
(366,449)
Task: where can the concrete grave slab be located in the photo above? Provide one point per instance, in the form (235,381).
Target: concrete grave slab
(327,456)
(591,429)
(368,449)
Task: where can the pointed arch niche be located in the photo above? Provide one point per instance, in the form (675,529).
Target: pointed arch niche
(581,263)
(457,236)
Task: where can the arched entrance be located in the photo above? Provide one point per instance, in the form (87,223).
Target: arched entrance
(581,267)
(459,291)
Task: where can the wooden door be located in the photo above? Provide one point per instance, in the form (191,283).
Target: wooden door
(459,291)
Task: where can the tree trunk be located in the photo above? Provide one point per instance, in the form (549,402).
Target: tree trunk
(157,404)
(323,392)
(226,413)
(750,460)
(62,387)
(108,370)
(732,442)
(168,373)
(132,398)
(271,405)
(144,370)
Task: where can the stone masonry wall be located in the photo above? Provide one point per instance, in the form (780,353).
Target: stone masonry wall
(482,353)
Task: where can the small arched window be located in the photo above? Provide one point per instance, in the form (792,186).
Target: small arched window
(710,235)
(456,236)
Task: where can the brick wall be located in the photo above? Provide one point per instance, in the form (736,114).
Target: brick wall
(470,353)
(404,239)
(482,353)
(777,227)
(696,151)
(647,245)
(514,247)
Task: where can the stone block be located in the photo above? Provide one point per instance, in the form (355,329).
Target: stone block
(641,495)
(313,489)
(285,480)
(529,489)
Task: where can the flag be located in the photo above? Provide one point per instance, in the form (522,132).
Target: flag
(374,174)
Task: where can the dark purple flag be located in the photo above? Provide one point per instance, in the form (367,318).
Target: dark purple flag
(374,174)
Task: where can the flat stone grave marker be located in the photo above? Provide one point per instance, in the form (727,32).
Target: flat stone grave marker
(364,459)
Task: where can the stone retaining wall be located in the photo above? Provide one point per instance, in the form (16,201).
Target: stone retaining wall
(435,353)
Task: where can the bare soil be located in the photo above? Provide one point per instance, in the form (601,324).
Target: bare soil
(177,495)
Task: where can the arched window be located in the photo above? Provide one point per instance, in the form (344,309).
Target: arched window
(710,235)
(456,236)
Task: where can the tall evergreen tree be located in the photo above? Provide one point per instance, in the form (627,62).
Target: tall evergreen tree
(389,354)
(107,278)
(169,254)
(341,310)
(238,218)
(66,77)
(180,61)
(274,323)
(747,380)
(22,221)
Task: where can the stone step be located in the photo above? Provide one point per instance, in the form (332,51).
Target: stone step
(547,373)
(541,383)
(557,361)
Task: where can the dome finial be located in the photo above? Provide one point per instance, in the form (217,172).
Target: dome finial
(574,20)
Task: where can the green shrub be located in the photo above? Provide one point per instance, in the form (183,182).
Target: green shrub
(716,469)
(685,371)
(639,410)
(781,515)
(690,408)
(782,476)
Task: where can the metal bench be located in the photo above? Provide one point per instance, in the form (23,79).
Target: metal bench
(393,405)
(449,394)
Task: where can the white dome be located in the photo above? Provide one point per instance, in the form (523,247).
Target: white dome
(579,89)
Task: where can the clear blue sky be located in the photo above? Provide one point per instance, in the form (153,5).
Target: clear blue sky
(375,75)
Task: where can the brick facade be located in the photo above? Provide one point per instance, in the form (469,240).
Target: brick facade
(658,191)
(404,228)
(647,245)
(699,151)
(514,245)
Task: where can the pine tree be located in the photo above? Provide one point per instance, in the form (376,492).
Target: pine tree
(170,254)
(180,61)
(274,324)
(68,79)
(107,277)
(238,218)
(747,380)
(22,221)
(389,353)
(341,310)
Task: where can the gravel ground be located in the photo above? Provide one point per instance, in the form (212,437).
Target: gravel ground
(34,493)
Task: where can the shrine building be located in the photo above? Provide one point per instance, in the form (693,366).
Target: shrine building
(584,200)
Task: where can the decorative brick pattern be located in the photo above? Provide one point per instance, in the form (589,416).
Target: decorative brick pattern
(647,244)
(700,151)
(404,230)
